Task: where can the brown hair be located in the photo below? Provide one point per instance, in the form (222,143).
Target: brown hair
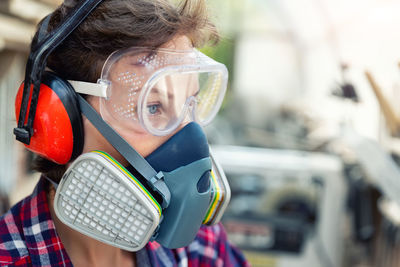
(117,24)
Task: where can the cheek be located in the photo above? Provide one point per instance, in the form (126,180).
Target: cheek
(94,140)
(144,143)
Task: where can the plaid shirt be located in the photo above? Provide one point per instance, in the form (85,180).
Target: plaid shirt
(28,238)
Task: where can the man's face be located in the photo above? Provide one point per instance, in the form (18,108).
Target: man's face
(162,104)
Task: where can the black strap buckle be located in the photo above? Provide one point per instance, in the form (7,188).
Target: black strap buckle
(23,134)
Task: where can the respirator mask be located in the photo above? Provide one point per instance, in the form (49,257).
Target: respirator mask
(169,194)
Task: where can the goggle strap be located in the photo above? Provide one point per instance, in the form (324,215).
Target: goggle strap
(51,181)
(87,88)
(154,179)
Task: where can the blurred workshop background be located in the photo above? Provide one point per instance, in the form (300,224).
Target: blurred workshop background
(308,134)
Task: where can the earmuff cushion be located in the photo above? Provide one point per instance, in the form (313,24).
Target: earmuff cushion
(57,128)
(67,95)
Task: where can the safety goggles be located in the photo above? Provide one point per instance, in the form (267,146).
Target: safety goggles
(159,90)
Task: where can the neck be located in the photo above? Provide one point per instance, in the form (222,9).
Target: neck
(86,251)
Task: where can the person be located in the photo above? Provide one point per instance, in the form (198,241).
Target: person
(125,42)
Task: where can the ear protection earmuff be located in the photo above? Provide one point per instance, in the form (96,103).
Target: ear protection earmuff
(57,128)
(46,106)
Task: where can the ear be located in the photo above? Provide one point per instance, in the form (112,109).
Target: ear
(57,128)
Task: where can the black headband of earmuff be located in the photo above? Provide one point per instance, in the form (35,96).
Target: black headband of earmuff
(40,50)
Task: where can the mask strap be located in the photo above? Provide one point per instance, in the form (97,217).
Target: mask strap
(51,181)
(154,179)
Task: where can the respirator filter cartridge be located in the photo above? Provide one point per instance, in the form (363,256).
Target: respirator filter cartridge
(220,194)
(101,199)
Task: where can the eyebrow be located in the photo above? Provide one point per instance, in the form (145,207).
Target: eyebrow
(155,90)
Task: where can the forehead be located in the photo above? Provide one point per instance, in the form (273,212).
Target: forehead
(152,58)
(141,65)
(180,42)
(133,67)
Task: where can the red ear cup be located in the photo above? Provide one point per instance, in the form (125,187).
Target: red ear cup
(57,128)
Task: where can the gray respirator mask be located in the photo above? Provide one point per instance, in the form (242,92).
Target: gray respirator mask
(165,197)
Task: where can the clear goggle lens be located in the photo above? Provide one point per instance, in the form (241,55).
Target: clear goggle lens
(166,89)
(178,98)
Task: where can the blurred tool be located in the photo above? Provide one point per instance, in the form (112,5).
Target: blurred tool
(361,206)
(270,215)
(345,89)
(392,120)
(286,207)
(377,163)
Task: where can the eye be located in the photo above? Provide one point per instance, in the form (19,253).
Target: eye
(154,108)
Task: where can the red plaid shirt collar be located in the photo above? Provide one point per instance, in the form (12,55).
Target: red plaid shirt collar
(28,238)
(28,235)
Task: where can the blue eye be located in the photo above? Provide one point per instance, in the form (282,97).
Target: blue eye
(154,109)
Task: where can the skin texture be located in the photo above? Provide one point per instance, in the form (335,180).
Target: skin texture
(83,250)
